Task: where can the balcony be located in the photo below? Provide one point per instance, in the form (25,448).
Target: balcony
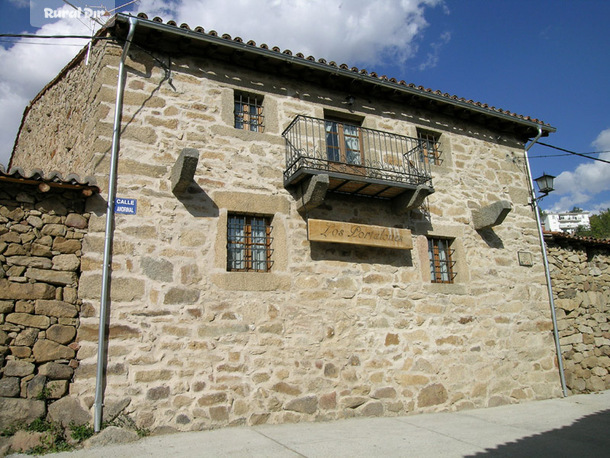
(358,161)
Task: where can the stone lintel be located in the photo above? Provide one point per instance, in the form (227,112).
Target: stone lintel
(411,199)
(184,169)
(491,215)
(314,193)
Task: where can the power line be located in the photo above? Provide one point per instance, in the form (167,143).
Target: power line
(84,37)
(76,45)
(568,154)
(574,153)
(27,35)
(87,37)
(549,155)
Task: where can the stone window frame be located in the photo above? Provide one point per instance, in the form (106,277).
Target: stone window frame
(277,209)
(248,111)
(445,147)
(431,156)
(244,246)
(227,113)
(441,259)
(462,274)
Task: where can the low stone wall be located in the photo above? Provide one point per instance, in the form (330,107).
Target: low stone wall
(40,250)
(580,273)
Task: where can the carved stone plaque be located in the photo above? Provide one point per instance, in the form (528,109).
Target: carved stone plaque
(359,234)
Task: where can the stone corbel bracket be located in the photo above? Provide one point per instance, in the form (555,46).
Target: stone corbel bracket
(313,193)
(491,215)
(184,169)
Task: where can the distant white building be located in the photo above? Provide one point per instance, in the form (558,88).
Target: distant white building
(565,221)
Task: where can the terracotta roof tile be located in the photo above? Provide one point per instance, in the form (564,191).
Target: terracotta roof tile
(363,71)
(577,238)
(53,179)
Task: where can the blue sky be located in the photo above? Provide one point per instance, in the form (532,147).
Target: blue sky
(549,59)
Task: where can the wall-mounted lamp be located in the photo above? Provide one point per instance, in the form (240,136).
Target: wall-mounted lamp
(350,100)
(545,184)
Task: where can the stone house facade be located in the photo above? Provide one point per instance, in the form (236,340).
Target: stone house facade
(309,241)
(42,224)
(580,274)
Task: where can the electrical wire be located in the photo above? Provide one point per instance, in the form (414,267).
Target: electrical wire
(84,37)
(76,45)
(87,37)
(574,153)
(28,35)
(567,154)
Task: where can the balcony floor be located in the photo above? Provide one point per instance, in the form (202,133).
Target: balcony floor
(354,184)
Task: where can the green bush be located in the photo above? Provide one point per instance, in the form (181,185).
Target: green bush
(82,432)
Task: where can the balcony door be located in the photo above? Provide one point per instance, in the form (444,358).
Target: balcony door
(344,147)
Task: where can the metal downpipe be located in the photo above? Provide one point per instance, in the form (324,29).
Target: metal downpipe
(546,266)
(114,159)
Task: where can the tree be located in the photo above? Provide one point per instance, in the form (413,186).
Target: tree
(600,226)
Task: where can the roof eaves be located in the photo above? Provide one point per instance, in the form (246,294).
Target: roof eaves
(576,238)
(45,182)
(342,70)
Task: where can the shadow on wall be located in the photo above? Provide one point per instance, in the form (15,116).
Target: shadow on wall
(197,202)
(587,437)
(491,238)
(360,254)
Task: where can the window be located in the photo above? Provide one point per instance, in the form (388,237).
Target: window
(343,142)
(429,141)
(249,112)
(344,147)
(441,264)
(248,243)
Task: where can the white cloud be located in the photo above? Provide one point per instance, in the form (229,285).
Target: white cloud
(434,55)
(600,207)
(602,142)
(20,3)
(358,32)
(363,33)
(27,66)
(588,179)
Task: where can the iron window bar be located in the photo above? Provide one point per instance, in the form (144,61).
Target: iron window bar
(430,151)
(441,260)
(249,113)
(249,244)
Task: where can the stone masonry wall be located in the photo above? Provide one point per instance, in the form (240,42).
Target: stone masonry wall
(40,250)
(62,129)
(580,274)
(333,331)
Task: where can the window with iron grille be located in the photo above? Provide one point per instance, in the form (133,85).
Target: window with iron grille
(430,144)
(248,243)
(249,112)
(442,267)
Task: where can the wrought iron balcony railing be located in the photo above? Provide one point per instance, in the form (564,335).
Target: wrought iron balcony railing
(355,154)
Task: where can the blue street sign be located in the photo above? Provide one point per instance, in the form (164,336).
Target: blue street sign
(125,206)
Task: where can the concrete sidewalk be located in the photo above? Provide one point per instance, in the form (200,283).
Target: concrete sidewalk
(575,426)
